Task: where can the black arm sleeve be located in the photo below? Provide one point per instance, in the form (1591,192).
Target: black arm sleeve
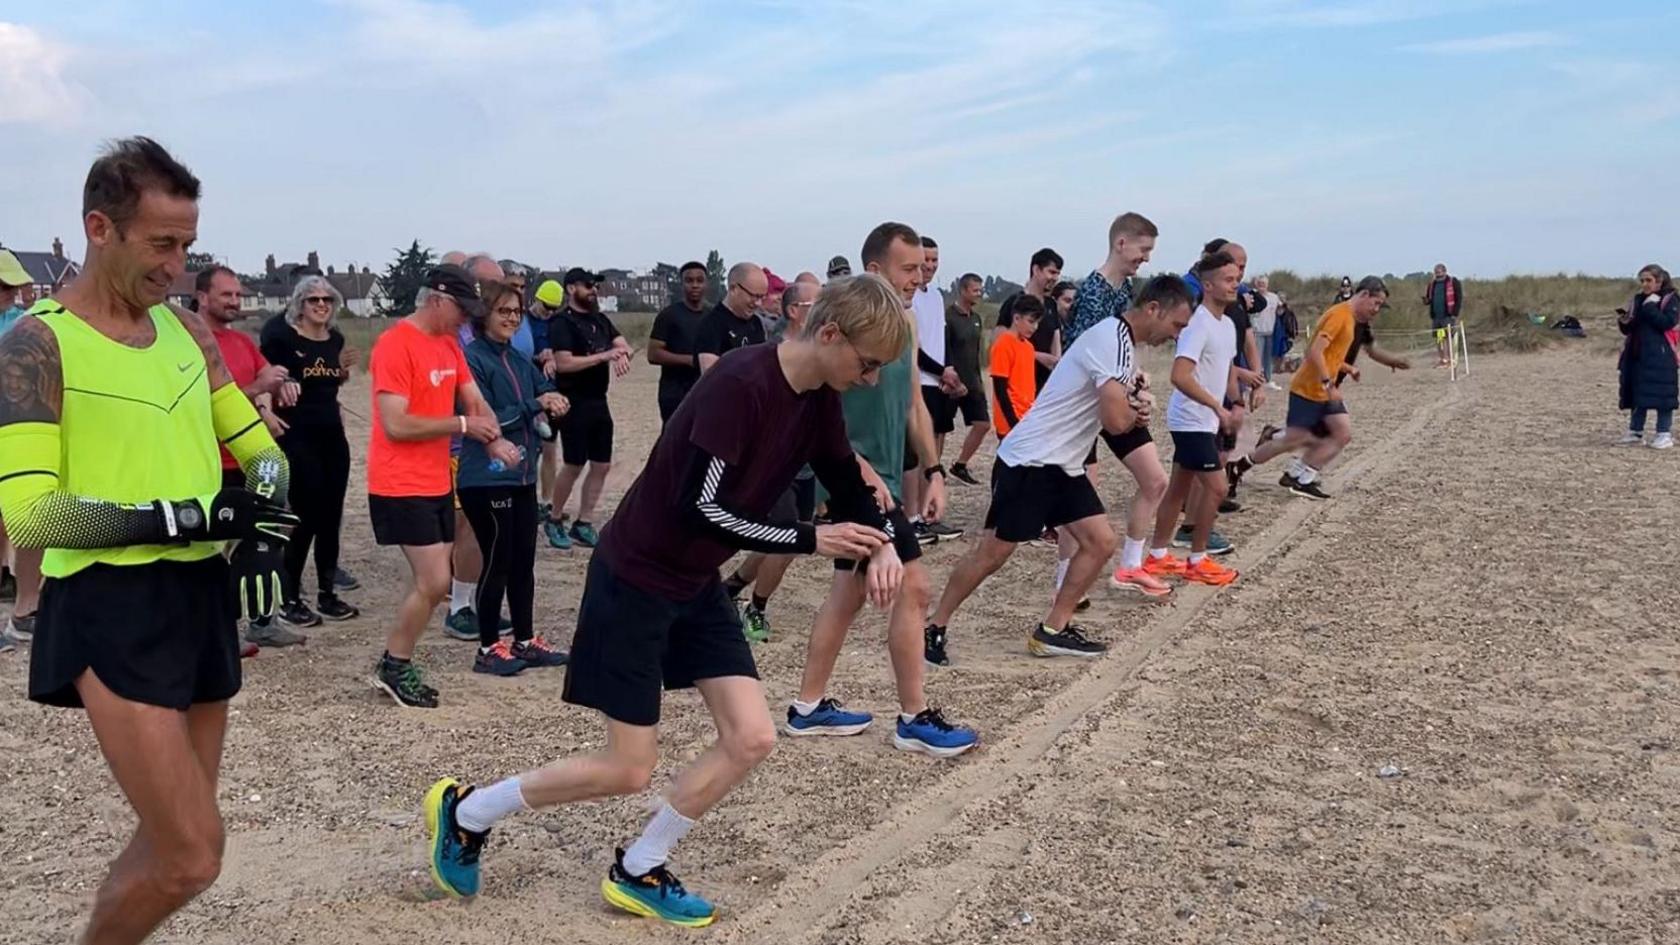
(849,498)
(1000,388)
(926,362)
(713,517)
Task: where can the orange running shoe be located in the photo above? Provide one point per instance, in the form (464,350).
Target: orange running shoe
(1169,566)
(1141,581)
(1209,571)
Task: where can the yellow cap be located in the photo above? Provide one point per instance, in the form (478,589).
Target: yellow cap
(550,294)
(12,272)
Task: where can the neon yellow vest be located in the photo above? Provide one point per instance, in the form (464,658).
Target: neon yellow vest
(135,427)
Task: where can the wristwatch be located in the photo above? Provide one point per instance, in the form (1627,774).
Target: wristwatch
(935,468)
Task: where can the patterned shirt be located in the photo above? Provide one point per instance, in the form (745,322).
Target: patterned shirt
(1097,299)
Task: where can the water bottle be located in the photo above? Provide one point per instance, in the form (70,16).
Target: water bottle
(540,424)
(497,466)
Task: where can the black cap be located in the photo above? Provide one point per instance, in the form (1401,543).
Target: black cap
(576,274)
(838,266)
(454,282)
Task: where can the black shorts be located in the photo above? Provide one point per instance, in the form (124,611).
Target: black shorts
(1307,414)
(798,504)
(1028,499)
(416,520)
(944,408)
(632,643)
(586,433)
(903,539)
(165,633)
(1123,444)
(1195,450)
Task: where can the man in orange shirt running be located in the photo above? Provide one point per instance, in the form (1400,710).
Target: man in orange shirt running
(1318,420)
(1014,377)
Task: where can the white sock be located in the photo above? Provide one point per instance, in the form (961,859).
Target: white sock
(1196,557)
(804,708)
(907,717)
(1308,474)
(1131,554)
(1157,553)
(484,806)
(653,848)
(461,595)
(1295,466)
(1061,571)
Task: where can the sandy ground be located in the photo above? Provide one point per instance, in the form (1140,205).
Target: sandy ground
(1488,605)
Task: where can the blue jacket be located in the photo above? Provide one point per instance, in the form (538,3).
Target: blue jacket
(511,383)
(1649,377)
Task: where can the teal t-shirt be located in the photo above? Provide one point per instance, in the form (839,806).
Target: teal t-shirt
(877,419)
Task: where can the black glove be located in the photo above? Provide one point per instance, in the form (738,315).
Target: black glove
(233,514)
(256,564)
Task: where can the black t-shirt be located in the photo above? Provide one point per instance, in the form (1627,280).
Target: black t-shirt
(1239,317)
(679,327)
(1044,339)
(583,334)
(744,413)
(722,332)
(315,365)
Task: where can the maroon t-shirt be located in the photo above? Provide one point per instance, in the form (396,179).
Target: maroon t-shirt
(744,413)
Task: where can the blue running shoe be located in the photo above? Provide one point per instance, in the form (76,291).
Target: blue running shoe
(1217,544)
(828,718)
(555,532)
(583,534)
(454,850)
(929,732)
(655,894)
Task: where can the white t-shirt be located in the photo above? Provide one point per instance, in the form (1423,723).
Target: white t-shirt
(1211,341)
(1066,415)
(929,306)
(1265,321)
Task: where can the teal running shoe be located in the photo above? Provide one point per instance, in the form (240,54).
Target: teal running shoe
(454,850)
(655,894)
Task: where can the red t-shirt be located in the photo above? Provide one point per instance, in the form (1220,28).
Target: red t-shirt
(426,370)
(243,361)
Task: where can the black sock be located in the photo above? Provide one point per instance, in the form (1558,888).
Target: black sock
(735,584)
(394,661)
(759,603)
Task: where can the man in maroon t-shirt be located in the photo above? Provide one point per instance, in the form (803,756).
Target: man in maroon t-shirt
(216,297)
(655,614)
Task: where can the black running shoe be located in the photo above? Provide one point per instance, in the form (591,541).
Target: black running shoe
(960,471)
(345,581)
(298,614)
(8,586)
(933,645)
(1288,481)
(944,532)
(925,534)
(1309,490)
(402,682)
(1070,642)
(330,607)
(1228,505)
(1234,471)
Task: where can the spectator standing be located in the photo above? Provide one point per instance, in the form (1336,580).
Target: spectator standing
(1649,378)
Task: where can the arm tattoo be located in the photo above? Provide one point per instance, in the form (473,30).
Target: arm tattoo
(216,368)
(31,376)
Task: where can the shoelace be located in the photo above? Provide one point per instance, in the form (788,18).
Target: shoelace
(1074,633)
(831,705)
(409,681)
(472,844)
(935,718)
(669,886)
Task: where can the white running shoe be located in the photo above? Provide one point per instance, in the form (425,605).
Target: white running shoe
(1631,438)
(1663,441)
(1274,385)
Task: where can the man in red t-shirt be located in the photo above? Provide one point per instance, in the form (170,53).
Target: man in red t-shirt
(216,296)
(419,377)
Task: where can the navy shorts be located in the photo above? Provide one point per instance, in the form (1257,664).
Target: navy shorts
(1195,450)
(1307,414)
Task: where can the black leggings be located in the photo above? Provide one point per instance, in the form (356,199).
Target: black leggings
(320,465)
(501,519)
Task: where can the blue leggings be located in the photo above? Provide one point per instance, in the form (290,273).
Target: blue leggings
(1665,420)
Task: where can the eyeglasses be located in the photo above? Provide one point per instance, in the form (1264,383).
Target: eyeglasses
(318,300)
(755,296)
(866,366)
(508,311)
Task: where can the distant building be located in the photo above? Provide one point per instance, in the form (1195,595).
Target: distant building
(48,272)
(646,291)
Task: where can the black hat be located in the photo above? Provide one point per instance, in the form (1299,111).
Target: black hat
(575,275)
(838,266)
(454,282)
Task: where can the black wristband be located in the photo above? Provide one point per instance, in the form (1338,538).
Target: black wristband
(935,468)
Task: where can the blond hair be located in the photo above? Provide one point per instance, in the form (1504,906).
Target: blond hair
(866,309)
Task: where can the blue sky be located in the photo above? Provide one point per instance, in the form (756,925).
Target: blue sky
(1340,137)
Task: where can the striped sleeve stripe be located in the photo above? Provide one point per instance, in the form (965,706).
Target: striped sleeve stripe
(30,472)
(247,429)
(732,523)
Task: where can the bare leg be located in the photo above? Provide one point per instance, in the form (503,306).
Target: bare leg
(593,484)
(159,757)
(546,471)
(746,736)
(1325,451)
(975,567)
(624,766)
(904,638)
(1205,508)
(1166,521)
(429,569)
(1293,439)
(563,483)
(913,493)
(26,567)
(769,573)
(1095,540)
(750,566)
(971,442)
(828,633)
(1144,463)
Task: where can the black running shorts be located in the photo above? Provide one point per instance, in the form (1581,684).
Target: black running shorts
(165,634)
(586,433)
(903,539)
(1028,499)
(415,520)
(630,644)
(1196,451)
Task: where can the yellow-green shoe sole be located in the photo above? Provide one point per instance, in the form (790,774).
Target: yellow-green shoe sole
(433,807)
(619,900)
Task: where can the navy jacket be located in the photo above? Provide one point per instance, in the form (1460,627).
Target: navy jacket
(1649,376)
(511,383)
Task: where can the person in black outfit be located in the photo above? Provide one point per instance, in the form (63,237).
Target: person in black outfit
(671,344)
(585,342)
(733,322)
(303,340)
(1043,272)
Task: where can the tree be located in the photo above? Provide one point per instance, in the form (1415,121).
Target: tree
(198,262)
(402,280)
(715,275)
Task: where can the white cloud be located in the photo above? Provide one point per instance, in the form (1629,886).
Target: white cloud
(1494,43)
(32,84)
